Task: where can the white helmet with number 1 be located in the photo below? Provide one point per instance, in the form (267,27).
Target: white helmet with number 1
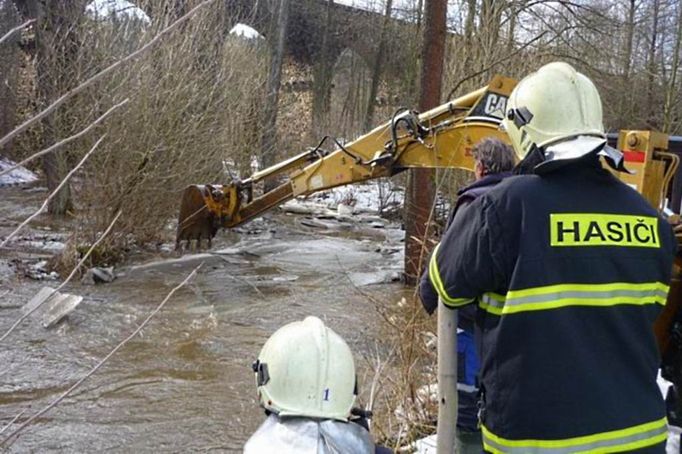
(558,111)
(306,369)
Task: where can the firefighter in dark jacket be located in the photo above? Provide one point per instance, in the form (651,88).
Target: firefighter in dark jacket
(569,268)
(494,161)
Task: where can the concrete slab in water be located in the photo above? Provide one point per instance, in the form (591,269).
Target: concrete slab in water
(51,306)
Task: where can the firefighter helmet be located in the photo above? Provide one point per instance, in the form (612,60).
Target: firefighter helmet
(557,111)
(306,369)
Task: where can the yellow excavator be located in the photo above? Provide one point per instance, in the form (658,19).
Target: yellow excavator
(439,138)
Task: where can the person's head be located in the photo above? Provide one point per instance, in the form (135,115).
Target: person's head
(555,113)
(306,369)
(492,156)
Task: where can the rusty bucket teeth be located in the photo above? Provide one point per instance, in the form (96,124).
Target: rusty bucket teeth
(195,221)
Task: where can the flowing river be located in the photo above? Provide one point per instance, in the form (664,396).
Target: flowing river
(185,384)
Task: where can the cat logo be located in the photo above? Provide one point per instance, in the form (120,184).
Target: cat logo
(492,105)
(495,105)
(600,229)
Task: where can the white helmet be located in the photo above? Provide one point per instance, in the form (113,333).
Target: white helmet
(306,369)
(557,111)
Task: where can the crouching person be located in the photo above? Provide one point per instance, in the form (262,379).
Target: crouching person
(305,376)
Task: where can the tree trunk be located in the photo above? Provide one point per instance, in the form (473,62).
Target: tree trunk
(420,193)
(269,135)
(511,42)
(651,67)
(323,68)
(469,32)
(56,48)
(376,70)
(671,89)
(625,100)
(489,28)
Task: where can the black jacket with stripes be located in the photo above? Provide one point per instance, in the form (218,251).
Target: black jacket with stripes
(569,271)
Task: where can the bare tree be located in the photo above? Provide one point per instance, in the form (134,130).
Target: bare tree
(56,50)
(420,192)
(378,63)
(269,135)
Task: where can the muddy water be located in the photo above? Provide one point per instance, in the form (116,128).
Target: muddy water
(185,385)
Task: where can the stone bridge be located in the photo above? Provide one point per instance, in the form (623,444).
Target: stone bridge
(347,27)
(318,33)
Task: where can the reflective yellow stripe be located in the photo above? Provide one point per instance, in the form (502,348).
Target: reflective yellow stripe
(603,229)
(492,302)
(562,295)
(587,287)
(434,276)
(634,437)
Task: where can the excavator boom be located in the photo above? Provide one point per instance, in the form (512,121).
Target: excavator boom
(439,138)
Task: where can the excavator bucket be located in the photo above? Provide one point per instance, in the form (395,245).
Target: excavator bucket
(196,221)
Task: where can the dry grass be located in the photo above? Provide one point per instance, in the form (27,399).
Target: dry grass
(403,367)
(194,103)
(192,106)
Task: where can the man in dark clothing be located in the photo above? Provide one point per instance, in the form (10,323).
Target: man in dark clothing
(494,161)
(569,268)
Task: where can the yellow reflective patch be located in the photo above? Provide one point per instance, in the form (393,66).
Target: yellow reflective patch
(614,441)
(434,276)
(600,229)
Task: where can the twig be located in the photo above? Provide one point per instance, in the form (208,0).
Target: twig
(9,424)
(493,64)
(66,281)
(26,423)
(16,29)
(65,141)
(49,109)
(44,205)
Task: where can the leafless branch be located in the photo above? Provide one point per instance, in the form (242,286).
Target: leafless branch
(495,63)
(16,29)
(65,141)
(67,280)
(130,57)
(9,424)
(44,205)
(14,435)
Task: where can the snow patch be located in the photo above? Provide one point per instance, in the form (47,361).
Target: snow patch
(372,198)
(20,175)
(107,9)
(245,31)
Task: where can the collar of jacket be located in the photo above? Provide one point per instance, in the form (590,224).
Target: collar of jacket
(487,180)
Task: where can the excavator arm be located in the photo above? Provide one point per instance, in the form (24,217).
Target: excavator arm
(439,138)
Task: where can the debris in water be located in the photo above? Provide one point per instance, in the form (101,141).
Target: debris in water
(39,272)
(360,279)
(51,306)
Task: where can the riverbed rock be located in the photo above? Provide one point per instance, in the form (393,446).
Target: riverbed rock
(98,275)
